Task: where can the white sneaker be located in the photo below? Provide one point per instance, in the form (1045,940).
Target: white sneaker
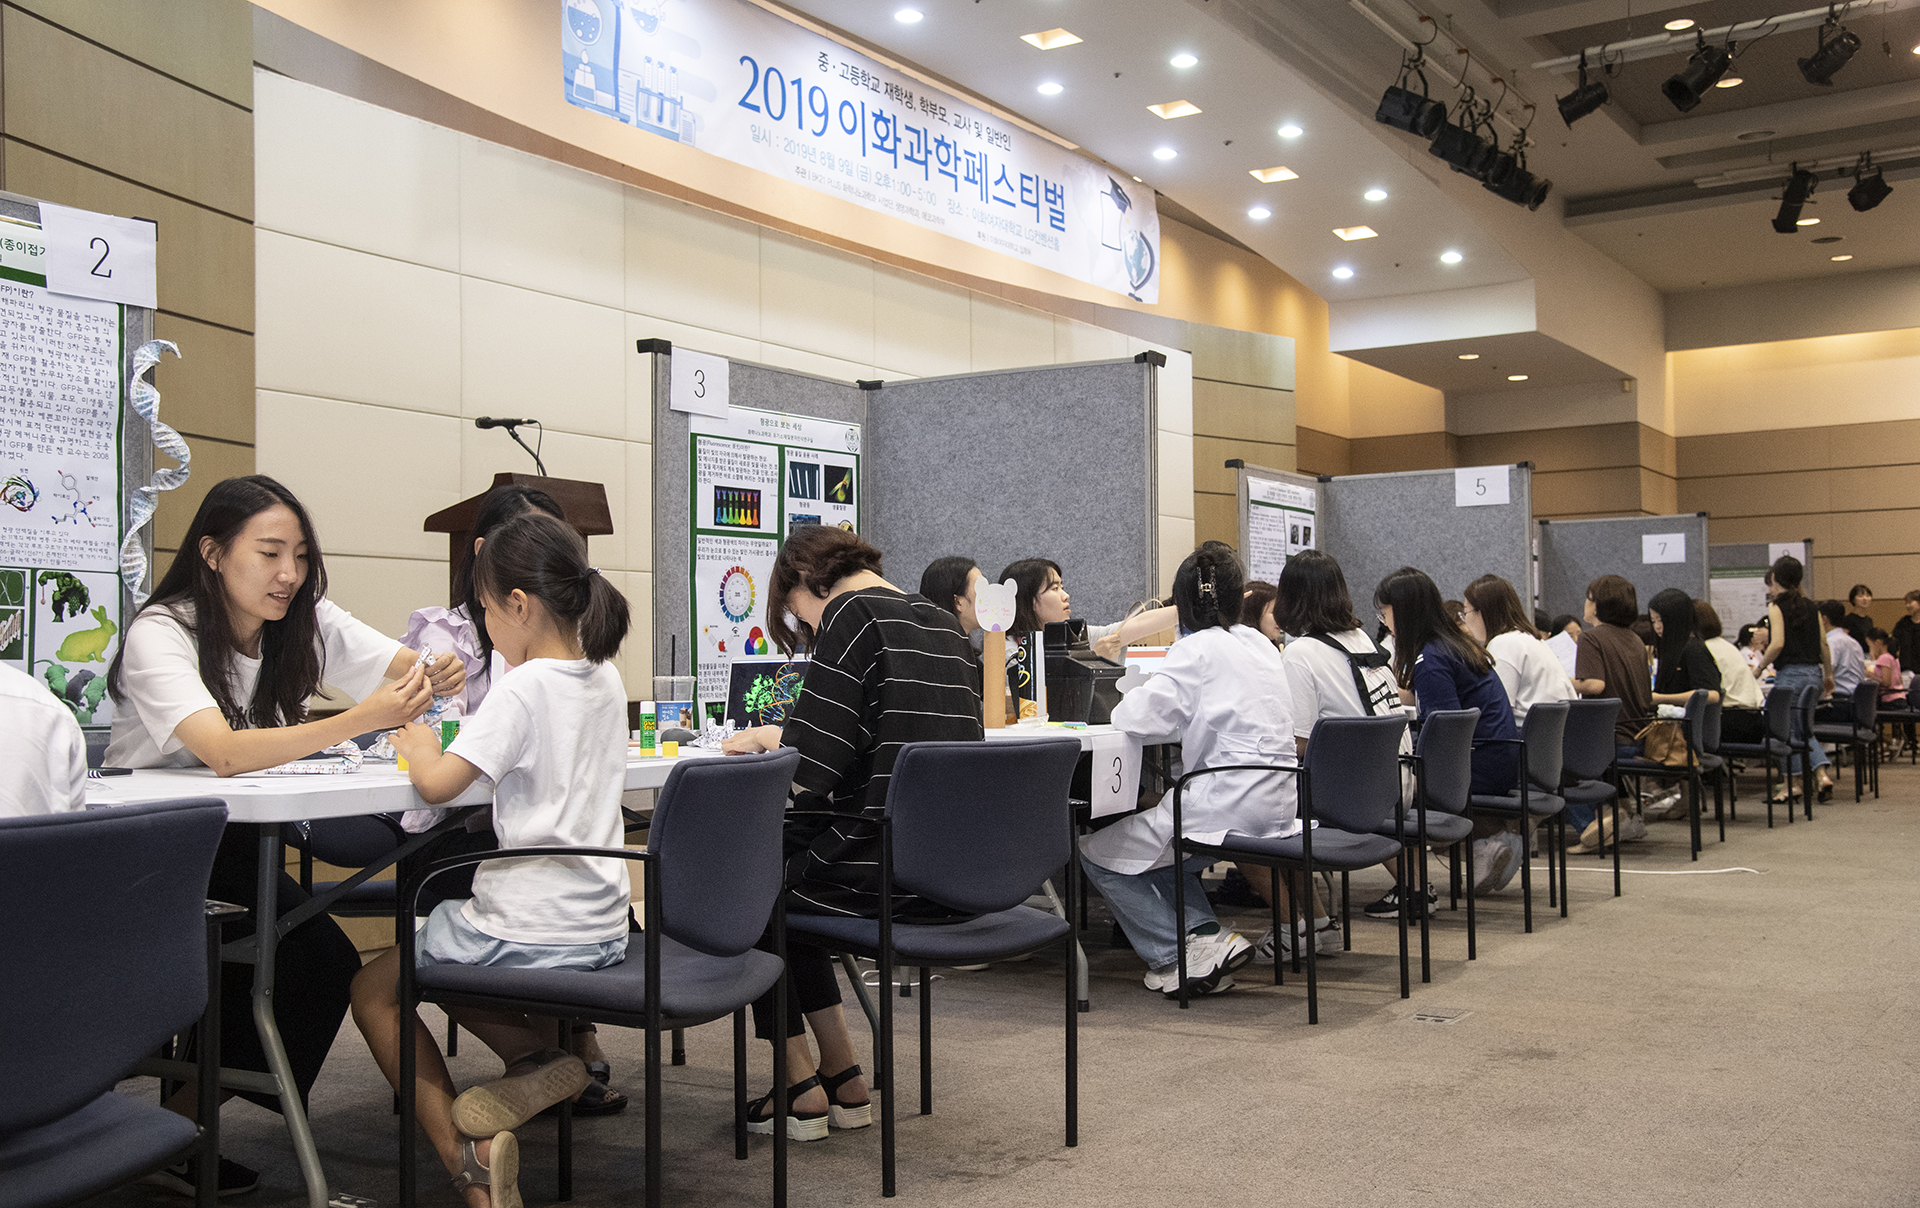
(1492,862)
(1517,850)
(1667,805)
(1327,940)
(1210,958)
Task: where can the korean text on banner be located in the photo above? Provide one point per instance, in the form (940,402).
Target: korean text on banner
(734,80)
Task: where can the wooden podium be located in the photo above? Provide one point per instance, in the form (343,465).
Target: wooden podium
(582,504)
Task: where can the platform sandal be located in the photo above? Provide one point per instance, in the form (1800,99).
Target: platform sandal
(598,1098)
(508,1102)
(801,1126)
(501,1179)
(845,1115)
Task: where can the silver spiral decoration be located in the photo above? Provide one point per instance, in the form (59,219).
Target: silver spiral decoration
(146,400)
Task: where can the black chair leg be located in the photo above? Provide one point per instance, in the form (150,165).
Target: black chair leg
(1313,976)
(679,1046)
(1403,890)
(1346,916)
(1473,937)
(740,1084)
(453,1037)
(1282,939)
(1526,870)
(1074,888)
(926,1041)
(1553,884)
(1426,939)
(565,1144)
(1616,845)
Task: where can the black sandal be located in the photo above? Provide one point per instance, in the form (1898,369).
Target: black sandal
(599,1098)
(845,1115)
(801,1126)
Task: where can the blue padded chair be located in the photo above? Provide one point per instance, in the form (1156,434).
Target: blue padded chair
(715,868)
(1588,750)
(1860,733)
(1443,779)
(1776,743)
(1349,782)
(109,955)
(974,827)
(1693,734)
(1714,766)
(1536,799)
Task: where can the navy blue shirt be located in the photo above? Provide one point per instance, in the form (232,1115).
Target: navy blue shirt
(1442,681)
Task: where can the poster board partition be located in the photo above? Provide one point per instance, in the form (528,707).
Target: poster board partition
(1279,515)
(1651,552)
(1455,525)
(1737,578)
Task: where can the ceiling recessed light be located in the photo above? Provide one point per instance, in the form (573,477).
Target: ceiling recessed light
(1469,356)
(1183,61)
(1680,23)
(908,16)
(1516,377)
(1730,82)
(1138,181)
(1050,89)
(1916,50)
(1375,195)
(1267,176)
(1259,213)
(1451,257)
(1049,39)
(1164,153)
(1292,131)
(1343,272)
(1806,222)
(1838,259)
(1355,232)
(1173,109)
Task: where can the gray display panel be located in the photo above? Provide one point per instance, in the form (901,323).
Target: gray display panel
(1573,553)
(1376,523)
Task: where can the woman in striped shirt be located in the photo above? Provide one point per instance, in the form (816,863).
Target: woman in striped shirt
(888,668)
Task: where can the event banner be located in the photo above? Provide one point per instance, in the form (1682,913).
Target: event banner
(737,81)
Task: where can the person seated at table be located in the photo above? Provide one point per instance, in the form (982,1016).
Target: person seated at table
(1611,660)
(45,771)
(1684,666)
(1441,665)
(1222,688)
(1799,659)
(951,583)
(1256,611)
(888,668)
(552,740)
(1040,599)
(1883,668)
(1849,659)
(1738,689)
(216,668)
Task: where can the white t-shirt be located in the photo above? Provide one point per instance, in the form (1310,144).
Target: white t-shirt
(45,769)
(553,740)
(1738,688)
(163,685)
(1321,681)
(1529,671)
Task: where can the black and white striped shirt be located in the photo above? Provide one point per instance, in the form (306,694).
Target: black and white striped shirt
(887,669)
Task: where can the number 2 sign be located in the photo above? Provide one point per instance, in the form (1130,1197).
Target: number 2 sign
(100,256)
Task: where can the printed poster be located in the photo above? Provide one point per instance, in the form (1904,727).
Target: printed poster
(737,81)
(1280,523)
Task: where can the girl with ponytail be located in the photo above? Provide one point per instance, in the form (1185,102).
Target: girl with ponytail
(553,740)
(1223,690)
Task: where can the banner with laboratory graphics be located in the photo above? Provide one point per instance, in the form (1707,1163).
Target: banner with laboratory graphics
(737,81)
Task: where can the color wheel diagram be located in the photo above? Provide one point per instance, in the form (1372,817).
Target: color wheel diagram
(736,603)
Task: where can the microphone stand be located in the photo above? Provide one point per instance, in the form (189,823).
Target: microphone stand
(513,430)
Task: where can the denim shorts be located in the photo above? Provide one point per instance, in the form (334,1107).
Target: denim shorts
(447,938)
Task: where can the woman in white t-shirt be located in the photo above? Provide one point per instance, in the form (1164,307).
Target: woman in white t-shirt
(1528,668)
(552,739)
(45,771)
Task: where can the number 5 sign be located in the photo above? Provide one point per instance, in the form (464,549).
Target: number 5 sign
(100,256)
(698,383)
(1480,486)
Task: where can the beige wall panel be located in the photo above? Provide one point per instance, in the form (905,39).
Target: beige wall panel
(1659,451)
(920,326)
(369,475)
(1384,404)
(1746,530)
(1173,407)
(692,265)
(1659,494)
(1552,449)
(213,460)
(1175,475)
(588,458)
(1758,494)
(639,369)
(1754,452)
(1177,540)
(1890,573)
(1322,452)
(348,325)
(342,171)
(1074,341)
(1250,358)
(1846,379)
(207,43)
(531,222)
(815,299)
(639,514)
(1228,409)
(205,259)
(800,361)
(1009,336)
(1614,492)
(383,592)
(1215,519)
(208,389)
(1854,534)
(1414,451)
(1869,487)
(1888,444)
(555,359)
(1211,454)
(134,122)
(637,668)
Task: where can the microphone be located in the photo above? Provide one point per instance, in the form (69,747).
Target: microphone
(487,421)
(513,429)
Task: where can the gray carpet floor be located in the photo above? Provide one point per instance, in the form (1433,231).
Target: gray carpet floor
(1744,1030)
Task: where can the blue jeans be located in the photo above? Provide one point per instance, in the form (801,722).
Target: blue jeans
(1788,679)
(1142,902)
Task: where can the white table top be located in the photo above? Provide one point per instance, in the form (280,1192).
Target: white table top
(377,788)
(1092,738)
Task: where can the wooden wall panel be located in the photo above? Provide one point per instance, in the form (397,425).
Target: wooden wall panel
(1240,411)
(1322,452)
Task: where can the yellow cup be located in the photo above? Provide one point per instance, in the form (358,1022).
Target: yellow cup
(670,749)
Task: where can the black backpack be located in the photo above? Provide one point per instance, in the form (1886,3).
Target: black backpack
(1370,698)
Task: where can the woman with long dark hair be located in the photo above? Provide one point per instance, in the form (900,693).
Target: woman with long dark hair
(1799,658)
(951,583)
(216,668)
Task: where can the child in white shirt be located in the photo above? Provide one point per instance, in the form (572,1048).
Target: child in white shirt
(552,739)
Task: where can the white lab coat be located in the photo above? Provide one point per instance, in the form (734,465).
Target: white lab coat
(1225,693)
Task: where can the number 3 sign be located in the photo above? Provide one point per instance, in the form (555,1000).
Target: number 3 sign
(99,256)
(698,383)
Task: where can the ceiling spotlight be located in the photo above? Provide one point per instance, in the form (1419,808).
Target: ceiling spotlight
(1183,61)
(1806,222)
(1680,23)
(1837,44)
(1730,82)
(1172,109)
(1451,257)
(1343,272)
(1050,39)
(1799,188)
(1462,147)
(1259,213)
(1415,112)
(1507,177)
(908,16)
(1375,195)
(1868,191)
(1292,131)
(1164,153)
(1469,356)
(1516,377)
(1050,89)
(1702,71)
(1839,259)
(1584,99)
(1356,232)
(1267,176)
